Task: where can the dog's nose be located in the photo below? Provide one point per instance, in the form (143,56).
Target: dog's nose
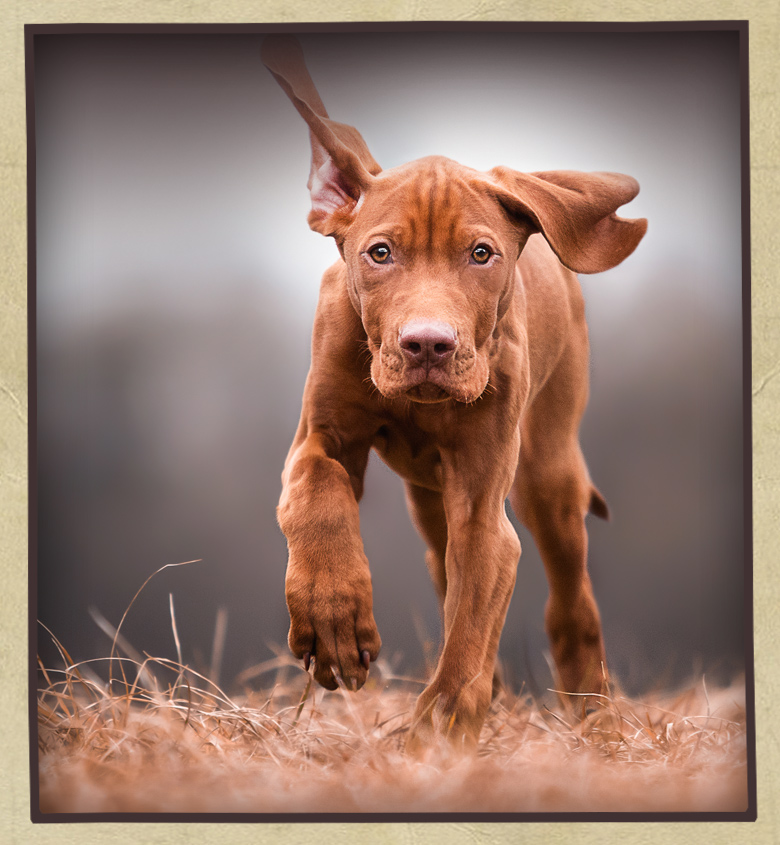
(427,343)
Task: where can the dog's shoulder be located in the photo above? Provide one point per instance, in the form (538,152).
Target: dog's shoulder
(338,338)
(548,286)
(552,307)
(333,288)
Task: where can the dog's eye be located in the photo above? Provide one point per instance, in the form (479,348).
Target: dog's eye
(380,253)
(481,254)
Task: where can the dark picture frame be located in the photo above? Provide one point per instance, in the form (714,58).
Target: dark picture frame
(42,315)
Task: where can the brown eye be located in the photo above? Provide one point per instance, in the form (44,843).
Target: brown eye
(481,254)
(380,253)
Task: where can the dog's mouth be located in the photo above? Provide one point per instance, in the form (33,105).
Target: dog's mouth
(428,386)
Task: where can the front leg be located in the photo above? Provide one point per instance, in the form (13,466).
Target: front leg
(328,583)
(481,564)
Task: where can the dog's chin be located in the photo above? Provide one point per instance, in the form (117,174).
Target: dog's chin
(427,393)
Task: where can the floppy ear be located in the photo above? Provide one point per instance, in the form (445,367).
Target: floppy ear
(341,165)
(576,213)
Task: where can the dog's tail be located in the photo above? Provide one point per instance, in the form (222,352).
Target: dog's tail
(598,505)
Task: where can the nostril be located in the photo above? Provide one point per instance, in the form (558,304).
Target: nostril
(430,343)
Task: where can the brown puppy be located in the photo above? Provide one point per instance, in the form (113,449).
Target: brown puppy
(450,338)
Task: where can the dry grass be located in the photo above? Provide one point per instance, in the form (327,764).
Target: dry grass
(155,736)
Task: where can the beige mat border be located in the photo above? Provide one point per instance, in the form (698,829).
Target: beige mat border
(764,19)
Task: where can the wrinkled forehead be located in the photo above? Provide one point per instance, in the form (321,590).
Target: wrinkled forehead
(432,205)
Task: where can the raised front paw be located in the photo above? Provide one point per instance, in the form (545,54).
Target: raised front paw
(332,625)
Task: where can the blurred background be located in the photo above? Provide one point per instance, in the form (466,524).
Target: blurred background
(177,281)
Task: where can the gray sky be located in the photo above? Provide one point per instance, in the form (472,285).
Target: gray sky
(174,258)
(160,168)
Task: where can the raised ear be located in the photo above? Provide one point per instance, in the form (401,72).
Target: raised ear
(341,165)
(576,213)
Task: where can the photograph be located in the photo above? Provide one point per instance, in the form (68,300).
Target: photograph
(392,455)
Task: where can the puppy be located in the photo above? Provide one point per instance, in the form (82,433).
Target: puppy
(450,337)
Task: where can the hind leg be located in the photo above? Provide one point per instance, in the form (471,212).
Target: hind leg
(551,494)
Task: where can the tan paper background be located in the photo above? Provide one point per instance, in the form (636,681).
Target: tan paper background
(764,18)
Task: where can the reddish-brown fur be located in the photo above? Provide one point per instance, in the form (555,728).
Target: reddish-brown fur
(493,410)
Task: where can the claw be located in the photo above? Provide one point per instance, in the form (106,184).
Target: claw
(306,661)
(365,658)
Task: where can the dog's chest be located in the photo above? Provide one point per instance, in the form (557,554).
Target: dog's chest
(411,452)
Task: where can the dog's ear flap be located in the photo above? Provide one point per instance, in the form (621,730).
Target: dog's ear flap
(576,213)
(341,165)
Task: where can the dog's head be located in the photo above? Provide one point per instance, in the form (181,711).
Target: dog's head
(430,247)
